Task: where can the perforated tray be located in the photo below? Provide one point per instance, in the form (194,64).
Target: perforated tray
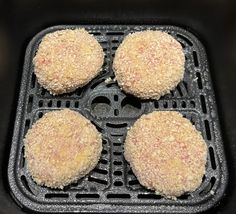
(111,186)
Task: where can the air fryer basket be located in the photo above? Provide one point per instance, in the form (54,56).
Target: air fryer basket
(111,186)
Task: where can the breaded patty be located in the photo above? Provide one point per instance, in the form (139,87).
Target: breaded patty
(67,59)
(168,155)
(149,64)
(61,147)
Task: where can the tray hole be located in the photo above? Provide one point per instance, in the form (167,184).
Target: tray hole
(43,91)
(40,103)
(174,104)
(90,196)
(130,105)
(185,85)
(192,120)
(182,44)
(208,187)
(25,183)
(116,97)
(67,104)
(117,144)
(183,104)
(109,85)
(165,104)
(101,105)
(149,196)
(75,184)
(156,104)
(192,104)
(104,152)
(104,142)
(115,41)
(115,126)
(22,159)
(118,173)
(33,78)
(94,85)
(212,181)
(104,42)
(79,91)
(100,171)
(114,48)
(207,128)
(203,104)
(121,196)
(56,195)
(179,90)
(117,163)
(40,114)
(117,153)
(116,134)
(76,104)
(92,179)
(50,103)
(58,103)
(118,183)
(199,80)
(134,182)
(96,33)
(104,71)
(115,33)
(105,63)
(103,161)
(30,104)
(185,39)
(195,59)
(116,112)
(130,172)
(184,196)
(27,125)
(212,157)
(132,102)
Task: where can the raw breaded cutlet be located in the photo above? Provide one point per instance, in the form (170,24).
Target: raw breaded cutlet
(168,155)
(149,64)
(61,147)
(67,59)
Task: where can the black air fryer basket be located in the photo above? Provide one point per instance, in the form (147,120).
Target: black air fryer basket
(112,187)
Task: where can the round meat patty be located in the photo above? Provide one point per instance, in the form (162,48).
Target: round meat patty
(149,64)
(67,59)
(61,147)
(168,155)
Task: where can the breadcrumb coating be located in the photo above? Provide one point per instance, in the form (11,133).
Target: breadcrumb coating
(149,64)
(67,59)
(61,147)
(166,153)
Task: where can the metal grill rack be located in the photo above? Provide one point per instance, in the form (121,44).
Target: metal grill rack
(112,187)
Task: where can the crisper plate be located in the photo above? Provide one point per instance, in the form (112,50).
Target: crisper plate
(112,187)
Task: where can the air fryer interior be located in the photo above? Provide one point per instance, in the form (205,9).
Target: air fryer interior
(112,182)
(213,22)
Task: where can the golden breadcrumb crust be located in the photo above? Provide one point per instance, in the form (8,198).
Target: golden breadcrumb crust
(61,147)
(67,59)
(149,64)
(166,153)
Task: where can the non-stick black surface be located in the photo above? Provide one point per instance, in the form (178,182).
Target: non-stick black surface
(112,186)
